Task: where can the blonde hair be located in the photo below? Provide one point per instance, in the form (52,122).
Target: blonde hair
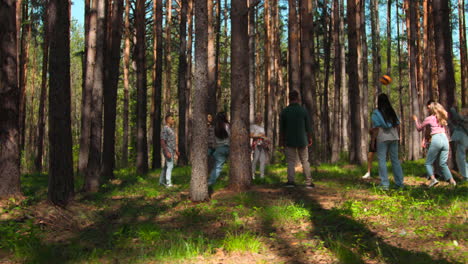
(439,111)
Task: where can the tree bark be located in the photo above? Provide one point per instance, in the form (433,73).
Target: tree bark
(142,147)
(335,155)
(415,145)
(168,75)
(61,185)
(157,82)
(182,85)
(376,58)
(443,40)
(198,182)
(345,98)
(427,84)
(211,61)
(251,17)
(23,68)
(364,82)
(389,37)
(88,89)
(126,68)
(354,91)
(308,81)
(41,115)
(188,116)
(463,51)
(93,171)
(400,85)
(294,48)
(325,118)
(9,102)
(114,37)
(240,175)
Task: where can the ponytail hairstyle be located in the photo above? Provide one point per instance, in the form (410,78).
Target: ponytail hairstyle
(220,125)
(439,111)
(386,109)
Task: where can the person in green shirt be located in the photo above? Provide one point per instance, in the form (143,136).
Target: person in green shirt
(296,137)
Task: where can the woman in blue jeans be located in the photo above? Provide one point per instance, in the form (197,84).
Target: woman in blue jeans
(221,153)
(436,121)
(385,120)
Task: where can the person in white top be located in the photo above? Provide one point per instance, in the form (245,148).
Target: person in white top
(260,146)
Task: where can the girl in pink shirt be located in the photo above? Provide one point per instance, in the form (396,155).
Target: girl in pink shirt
(439,142)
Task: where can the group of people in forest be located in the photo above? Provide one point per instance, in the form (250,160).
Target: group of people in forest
(385,138)
(296,137)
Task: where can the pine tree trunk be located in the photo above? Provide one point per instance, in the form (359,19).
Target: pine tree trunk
(126,98)
(23,69)
(294,51)
(41,115)
(326,133)
(335,155)
(365,83)
(182,85)
(463,52)
(61,185)
(9,103)
(415,144)
(168,63)
(140,57)
(389,37)
(354,91)
(198,182)
(93,171)
(443,40)
(345,98)
(110,87)
(188,78)
(157,82)
(376,58)
(211,61)
(427,51)
(88,89)
(308,81)
(251,29)
(419,65)
(400,85)
(240,175)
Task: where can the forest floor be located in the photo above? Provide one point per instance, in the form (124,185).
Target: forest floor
(343,220)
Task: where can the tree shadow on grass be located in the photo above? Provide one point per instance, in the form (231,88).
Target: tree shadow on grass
(109,237)
(349,239)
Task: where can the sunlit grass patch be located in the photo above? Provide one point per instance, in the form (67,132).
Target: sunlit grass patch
(285,212)
(242,242)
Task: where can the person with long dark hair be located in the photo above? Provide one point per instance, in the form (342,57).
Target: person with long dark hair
(221,153)
(437,121)
(385,119)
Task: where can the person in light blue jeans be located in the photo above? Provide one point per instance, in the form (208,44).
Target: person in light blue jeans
(436,121)
(386,121)
(169,149)
(459,127)
(221,153)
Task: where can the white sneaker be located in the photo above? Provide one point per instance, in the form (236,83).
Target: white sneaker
(433,183)
(366,176)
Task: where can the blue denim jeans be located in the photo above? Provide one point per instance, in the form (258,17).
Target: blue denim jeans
(439,146)
(166,173)
(390,147)
(462,146)
(220,155)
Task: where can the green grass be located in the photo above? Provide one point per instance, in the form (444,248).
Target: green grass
(242,242)
(135,220)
